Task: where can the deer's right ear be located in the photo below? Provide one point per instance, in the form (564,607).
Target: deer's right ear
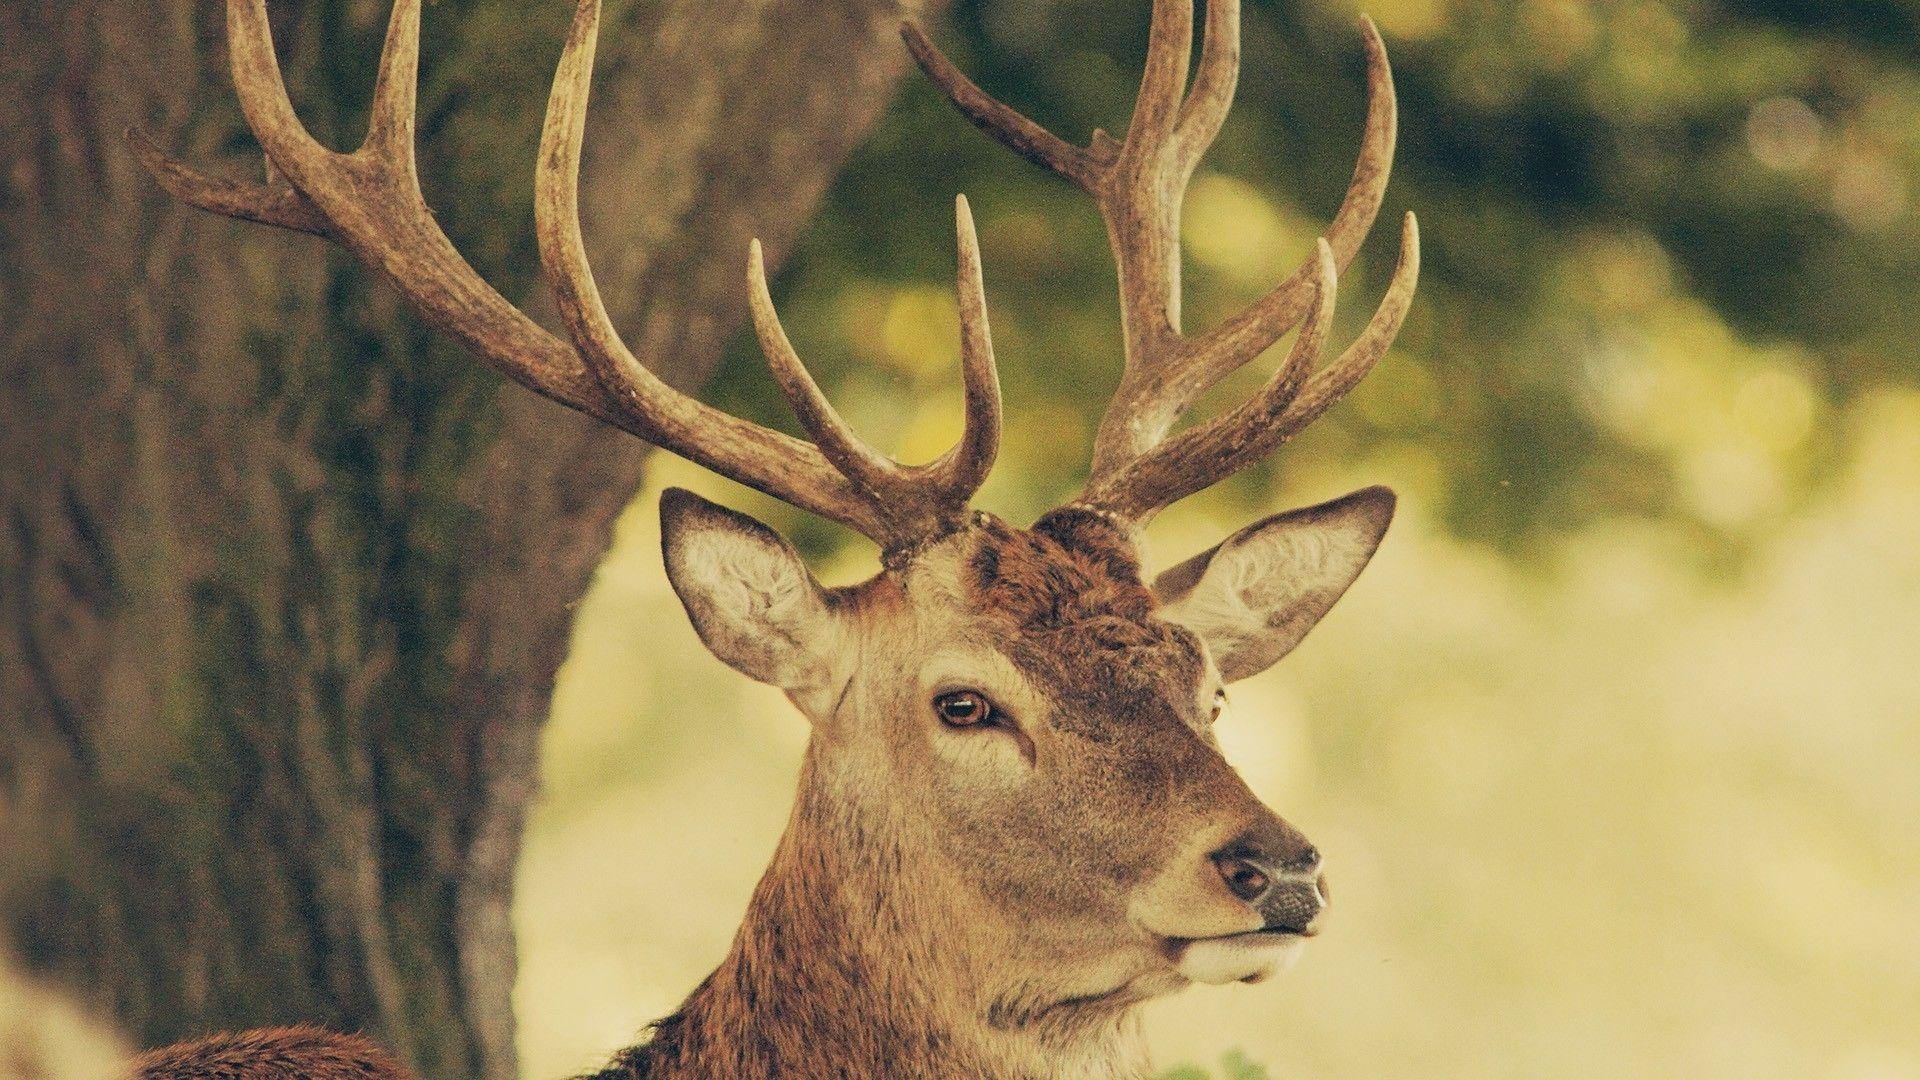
(751,597)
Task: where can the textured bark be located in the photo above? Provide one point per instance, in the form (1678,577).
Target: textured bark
(283,580)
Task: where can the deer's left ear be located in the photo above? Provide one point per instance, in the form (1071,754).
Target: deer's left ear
(750,596)
(1254,596)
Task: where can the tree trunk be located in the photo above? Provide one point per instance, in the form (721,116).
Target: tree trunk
(283,579)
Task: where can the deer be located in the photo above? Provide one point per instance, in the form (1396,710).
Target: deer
(1013,822)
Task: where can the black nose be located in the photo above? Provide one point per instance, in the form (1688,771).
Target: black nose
(1276,872)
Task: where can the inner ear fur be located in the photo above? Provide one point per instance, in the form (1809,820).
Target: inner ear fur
(1255,595)
(749,594)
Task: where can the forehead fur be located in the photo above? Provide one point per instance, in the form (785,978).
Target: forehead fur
(1071,568)
(1080,620)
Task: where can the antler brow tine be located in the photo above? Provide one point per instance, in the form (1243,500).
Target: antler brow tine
(867,468)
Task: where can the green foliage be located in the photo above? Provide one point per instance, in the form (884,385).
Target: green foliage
(1234,1065)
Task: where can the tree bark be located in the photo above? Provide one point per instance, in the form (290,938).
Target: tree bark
(284,581)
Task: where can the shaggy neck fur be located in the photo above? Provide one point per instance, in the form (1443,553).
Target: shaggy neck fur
(857,959)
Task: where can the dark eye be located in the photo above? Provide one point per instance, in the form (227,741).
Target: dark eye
(1219,703)
(963,708)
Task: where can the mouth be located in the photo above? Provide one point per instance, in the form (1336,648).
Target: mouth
(1245,958)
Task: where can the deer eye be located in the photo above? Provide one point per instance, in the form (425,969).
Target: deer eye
(963,708)
(1219,704)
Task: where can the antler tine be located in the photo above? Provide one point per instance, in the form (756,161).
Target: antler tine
(941,488)
(1163,83)
(1006,125)
(1332,383)
(277,204)
(1141,194)
(1201,457)
(1139,186)
(1153,395)
(1198,458)
(370,202)
(777,464)
(396,90)
(1211,96)
(870,470)
(1223,350)
(965,467)
(374,211)
(263,93)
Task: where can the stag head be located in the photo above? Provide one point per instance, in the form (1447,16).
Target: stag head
(1013,773)
(1022,703)
(1026,728)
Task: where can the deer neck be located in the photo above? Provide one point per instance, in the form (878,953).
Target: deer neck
(857,958)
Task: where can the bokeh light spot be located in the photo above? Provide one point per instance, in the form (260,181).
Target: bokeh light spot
(1231,227)
(921,331)
(1784,133)
(1410,18)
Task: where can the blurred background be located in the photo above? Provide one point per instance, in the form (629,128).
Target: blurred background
(1614,750)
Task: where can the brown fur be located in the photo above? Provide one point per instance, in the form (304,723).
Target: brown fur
(806,990)
(1071,567)
(285,1053)
(917,933)
(938,908)
(1079,621)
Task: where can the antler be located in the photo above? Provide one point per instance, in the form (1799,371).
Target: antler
(1139,185)
(370,202)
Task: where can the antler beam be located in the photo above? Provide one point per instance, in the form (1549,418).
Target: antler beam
(370,202)
(1139,185)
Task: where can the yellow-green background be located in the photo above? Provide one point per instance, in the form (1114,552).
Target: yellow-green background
(1601,819)
(1615,750)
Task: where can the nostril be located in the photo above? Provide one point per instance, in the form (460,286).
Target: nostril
(1244,879)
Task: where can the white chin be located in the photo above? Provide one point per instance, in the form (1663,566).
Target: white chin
(1240,958)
